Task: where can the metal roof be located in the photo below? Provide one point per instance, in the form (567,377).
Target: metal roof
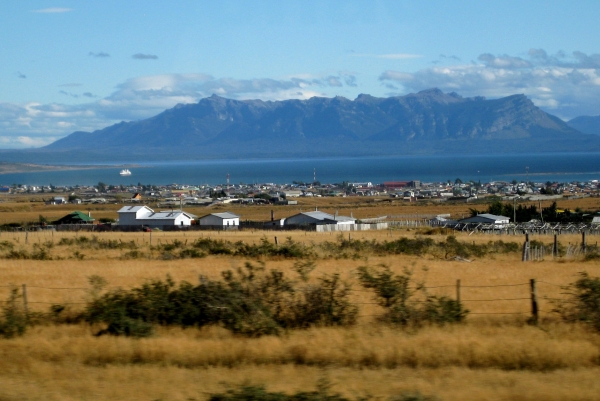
(485,216)
(223,215)
(318,215)
(133,209)
(166,215)
(493,216)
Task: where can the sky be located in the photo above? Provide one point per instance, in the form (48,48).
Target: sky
(71,65)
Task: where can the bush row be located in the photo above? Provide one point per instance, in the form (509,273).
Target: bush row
(254,301)
(340,249)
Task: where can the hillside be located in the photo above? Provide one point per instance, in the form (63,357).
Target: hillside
(586,124)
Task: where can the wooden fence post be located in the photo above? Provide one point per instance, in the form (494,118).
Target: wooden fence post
(276,241)
(526,255)
(534,305)
(555,246)
(583,242)
(458,291)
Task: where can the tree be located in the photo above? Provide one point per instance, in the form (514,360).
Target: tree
(496,208)
(101,187)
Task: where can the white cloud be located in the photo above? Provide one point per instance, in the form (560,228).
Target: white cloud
(53,10)
(567,86)
(16,142)
(143,97)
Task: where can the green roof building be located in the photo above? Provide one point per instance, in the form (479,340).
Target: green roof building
(76,217)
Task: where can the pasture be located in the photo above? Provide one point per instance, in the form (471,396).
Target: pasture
(493,354)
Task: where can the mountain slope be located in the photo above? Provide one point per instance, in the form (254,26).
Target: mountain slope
(426,122)
(586,124)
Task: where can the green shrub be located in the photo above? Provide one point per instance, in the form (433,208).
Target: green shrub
(258,393)
(94,242)
(134,254)
(249,300)
(325,304)
(6,245)
(14,318)
(191,253)
(412,396)
(583,303)
(394,293)
(17,254)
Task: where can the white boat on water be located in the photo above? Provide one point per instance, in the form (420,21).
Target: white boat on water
(125,172)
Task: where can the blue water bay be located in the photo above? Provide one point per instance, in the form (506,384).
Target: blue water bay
(537,167)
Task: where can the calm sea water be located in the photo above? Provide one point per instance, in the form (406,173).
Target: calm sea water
(537,167)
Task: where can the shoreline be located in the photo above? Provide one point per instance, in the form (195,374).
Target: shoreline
(16,168)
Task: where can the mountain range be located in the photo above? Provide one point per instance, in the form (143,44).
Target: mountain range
(427,122)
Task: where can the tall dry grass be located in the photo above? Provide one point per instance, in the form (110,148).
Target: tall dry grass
(491,356)
(506,346)
(469,362)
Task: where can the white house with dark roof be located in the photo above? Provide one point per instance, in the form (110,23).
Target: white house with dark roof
(318,218)
(144,216)
(224,219)
(486,218)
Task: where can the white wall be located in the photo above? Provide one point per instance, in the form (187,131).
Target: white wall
(211,220)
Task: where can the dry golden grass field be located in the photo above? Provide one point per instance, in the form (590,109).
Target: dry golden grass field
(493,355)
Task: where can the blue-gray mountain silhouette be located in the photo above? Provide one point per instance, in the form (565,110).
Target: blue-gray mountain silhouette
(586,124)
(426,122)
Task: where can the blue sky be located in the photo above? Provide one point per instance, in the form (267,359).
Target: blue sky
(83,65)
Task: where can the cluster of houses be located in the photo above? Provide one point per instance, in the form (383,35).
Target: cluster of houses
(145,217)
(178,194)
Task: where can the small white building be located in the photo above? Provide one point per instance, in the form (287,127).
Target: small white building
(224,219)
(292,194)
(144,216)
(59,200)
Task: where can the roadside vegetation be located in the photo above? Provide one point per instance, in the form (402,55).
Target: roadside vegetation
(341,248)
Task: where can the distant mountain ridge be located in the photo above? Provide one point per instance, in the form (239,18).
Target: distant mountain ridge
(426,122)
(586,124)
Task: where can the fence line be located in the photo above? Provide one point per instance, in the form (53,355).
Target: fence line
(531,301)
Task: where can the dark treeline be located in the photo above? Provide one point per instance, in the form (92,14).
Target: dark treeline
(526,213)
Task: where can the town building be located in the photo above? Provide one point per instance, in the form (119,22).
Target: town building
(486,218)
(144,216)
(75,217)
(317,218)
(220,220)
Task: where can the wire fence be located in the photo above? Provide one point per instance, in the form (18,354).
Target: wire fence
(498,299)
